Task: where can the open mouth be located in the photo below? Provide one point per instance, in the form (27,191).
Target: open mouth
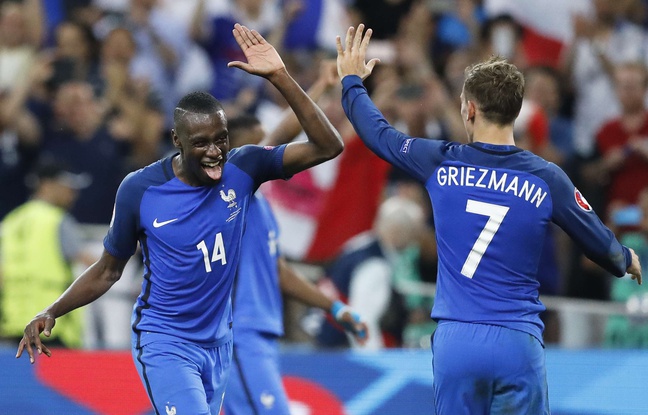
(214,169)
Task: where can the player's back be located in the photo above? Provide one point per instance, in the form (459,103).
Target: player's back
(492,205)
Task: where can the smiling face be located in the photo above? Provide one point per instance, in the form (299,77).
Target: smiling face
(631,83)
(203,143)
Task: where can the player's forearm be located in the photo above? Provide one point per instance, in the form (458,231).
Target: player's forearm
(289,127)
(318,128)
(615,260)
(599,244)
(371,126)
(92,284)
(300,289)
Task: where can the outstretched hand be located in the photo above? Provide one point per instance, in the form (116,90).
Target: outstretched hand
(262,58)
(350,321)
(635,267)
(42,323)
(351,58)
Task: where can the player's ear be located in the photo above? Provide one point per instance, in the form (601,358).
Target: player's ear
(175,139)
(472,110)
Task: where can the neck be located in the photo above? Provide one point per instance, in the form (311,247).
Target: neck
(47,196)
(633,120)
(489,133)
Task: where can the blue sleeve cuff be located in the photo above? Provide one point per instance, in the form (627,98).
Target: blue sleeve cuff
(336,307)
(628,259)
(114,251)
(350,81)
(278,164)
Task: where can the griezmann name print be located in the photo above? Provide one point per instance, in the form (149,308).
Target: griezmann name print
(485,178)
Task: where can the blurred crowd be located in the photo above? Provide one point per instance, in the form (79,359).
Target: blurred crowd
(92,84)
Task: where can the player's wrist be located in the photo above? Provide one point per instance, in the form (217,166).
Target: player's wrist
(338,308)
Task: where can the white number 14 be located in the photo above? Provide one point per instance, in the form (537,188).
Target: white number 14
(217,255)
(496,214)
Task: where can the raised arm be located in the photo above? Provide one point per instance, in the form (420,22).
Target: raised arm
(302,290)
(324,142)
(418,157)
(289,126)
(92,284)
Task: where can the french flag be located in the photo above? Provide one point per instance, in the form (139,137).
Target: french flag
(547,25)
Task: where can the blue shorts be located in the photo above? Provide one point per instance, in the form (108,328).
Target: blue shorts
(255,385)
(184,376)
(485,369)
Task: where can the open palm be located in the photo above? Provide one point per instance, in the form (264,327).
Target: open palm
(262,58)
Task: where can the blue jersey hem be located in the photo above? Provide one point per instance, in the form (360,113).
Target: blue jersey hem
(138,340)
(523,329)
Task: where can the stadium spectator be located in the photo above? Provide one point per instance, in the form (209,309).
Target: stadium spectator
(237,90)
(502,35)
(384,15)
(161,47)
(75,56)
(19,142)
(600,42)
(623,141)
(35,276)
(21,36)
(315,26)
(74,132)
(133,111)
(544,87)
(363,276)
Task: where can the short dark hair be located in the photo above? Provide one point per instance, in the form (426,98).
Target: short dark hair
(497,87)
(198,102)
(242,121)
(239,125)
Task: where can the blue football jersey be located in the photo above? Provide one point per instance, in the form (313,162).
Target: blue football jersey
(492,205)
(191,243)
(257,296)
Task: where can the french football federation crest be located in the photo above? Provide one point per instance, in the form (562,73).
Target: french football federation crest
(229,197)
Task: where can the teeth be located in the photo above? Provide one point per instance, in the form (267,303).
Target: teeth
(210,164)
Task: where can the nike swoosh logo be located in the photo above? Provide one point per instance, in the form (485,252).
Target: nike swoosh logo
(157,224)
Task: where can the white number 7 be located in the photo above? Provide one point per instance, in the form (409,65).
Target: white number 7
(495,215)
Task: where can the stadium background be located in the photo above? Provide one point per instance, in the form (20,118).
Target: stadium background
(586,377)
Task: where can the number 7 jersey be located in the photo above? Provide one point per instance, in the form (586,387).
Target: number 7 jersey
(492,206)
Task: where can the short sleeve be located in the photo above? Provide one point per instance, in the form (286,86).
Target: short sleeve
(121,240)
(260,163)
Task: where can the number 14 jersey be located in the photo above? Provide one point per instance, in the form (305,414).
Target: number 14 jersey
(191,243)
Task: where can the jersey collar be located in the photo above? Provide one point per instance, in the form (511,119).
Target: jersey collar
(503,150)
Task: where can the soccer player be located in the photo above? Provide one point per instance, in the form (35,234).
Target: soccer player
(188,212)
(255,385)
(492,205)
